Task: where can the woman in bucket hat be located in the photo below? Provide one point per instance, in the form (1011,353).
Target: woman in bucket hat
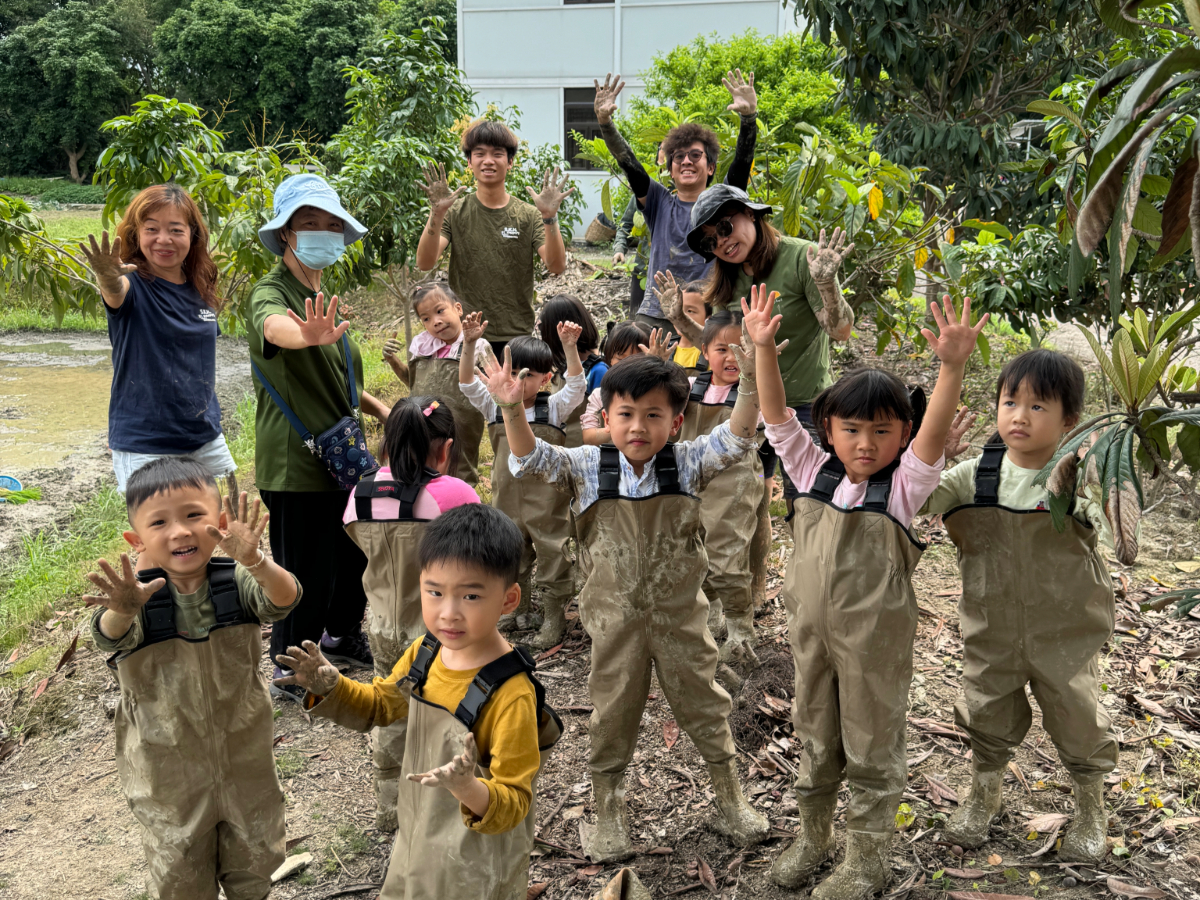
(297,347)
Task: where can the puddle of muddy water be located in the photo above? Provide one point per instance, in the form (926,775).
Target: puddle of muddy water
(53,397)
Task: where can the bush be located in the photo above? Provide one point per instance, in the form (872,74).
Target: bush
(25,186)
(68,192)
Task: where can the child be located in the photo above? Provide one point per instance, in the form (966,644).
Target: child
(540,512)
(1042,622)
(637,518)
(564,308)
(689,354)
(852,615)
(386,516)
(194,723)
(472,757)
(432,369)
(626,340)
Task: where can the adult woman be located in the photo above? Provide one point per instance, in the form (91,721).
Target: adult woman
(159,287)
(297,347)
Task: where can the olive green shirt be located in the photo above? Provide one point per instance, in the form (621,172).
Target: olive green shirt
(804,363)
(312,381)
(492,258)
(195,615)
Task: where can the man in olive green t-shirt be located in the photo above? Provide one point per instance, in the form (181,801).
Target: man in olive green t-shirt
(494,235)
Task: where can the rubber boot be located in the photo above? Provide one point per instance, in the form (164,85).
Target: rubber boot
(508,621)
(387,792)
(864,872)
(608,840)
(969,824)
(737,819)
(812,846)
(1085,840)
(716,619)
(740,640)
(554,623)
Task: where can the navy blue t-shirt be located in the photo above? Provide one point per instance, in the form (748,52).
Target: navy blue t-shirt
(164,341)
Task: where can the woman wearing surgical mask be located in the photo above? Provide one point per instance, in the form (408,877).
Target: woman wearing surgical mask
(296,344)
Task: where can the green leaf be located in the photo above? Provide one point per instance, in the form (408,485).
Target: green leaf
(1076,266)
(906,279)
(949,256)
(1054,108)
(1156,185)
(1141,327)
(1107,82)
(1192,7)
(992,227)
(1176,322)
(606,200)
(1106,364)
(1099,450)
(1188,442)
(1110,14)
(985,348)
(1152,370)
(1128,369)
(1059,507)
(1127,474)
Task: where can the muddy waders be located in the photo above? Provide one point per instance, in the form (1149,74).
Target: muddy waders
(1042,623)
(438,378)
(728,512)
(435,856)
(852,617)
(392,581)
(194,738)
(644,610)
(543,513)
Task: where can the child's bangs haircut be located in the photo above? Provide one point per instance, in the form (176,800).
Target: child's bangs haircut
(1049,375)
(489,133)
(421,425)
(698,287)
(636,376)
(436,290)
(198,266)
(531,353)
(565,308)
(161,476)
(867,395)
(718,323)
(474,534)
(624,338)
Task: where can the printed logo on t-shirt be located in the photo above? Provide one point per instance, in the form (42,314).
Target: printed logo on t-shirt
(510,232)
(1041,506)
(207,315)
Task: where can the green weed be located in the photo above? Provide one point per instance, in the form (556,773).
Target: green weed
(37,318)
(290,763)
(305,879)
(241,446)
(351,840)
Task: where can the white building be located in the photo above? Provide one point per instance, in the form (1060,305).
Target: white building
(543,56)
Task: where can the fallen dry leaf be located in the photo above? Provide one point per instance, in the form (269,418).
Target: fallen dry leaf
(980,895)
(940,792)
(536,890)
(1125,889)
(660,851)
(670,733)
(42,685)
(549,653)
(13,658)
(68,653)
(1046,822)
(965,873)
(591,871)
(995,859)
(1188,565)
(295,842)
(706,875)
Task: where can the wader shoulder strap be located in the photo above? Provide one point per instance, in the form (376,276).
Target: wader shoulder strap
(667,470)
(828,479)
(609,472)
(159,611)
(879,486)
(700,387)
(223,591)
(419,670)
(372,488)
(987,475)
(590,363)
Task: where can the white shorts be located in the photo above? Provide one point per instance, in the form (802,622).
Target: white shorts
(215,455)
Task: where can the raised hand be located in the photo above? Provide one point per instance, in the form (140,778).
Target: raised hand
(552,195)
(955,341)
(437,189)
(826,258)
(392,346)
(670,297)
(606,98)
(473,327)
(319,325)
(745,100)
(309,668)
(569,332)
(105,260)
(660,344)
(759,319)
(121,593)
(243,534)
(964,420)
(455,775)
(618,258)
(506,389)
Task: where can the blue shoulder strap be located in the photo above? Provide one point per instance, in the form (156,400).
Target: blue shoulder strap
(305,434)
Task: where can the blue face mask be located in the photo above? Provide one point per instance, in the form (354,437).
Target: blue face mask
(319,249)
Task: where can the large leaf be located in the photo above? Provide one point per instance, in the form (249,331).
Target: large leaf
(1188,442)
(993,227)
(1193,13)
(1107,82)
(1061,487)
(1106,363)
(1127,367)
(1195,217)
(1076,268)
(1177,206)
(1152,369)
(1123,505)
(1110,15)
(1097,454)
(1054,108)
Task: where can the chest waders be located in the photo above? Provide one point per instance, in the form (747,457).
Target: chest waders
(543,513)
(435,856)
(392,581)
(728,513)
(194,736)
(1037,607)
(439,378)
(572,424)
(644,610)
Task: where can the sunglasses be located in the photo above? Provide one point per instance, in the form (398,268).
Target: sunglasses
(724,228)
(688,156)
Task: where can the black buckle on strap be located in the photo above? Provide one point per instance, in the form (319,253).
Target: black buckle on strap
(987,475)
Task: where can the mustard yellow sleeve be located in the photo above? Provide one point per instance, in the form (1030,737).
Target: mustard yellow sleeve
(507,735)
(379,703)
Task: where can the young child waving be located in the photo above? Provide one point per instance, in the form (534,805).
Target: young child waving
(852,615)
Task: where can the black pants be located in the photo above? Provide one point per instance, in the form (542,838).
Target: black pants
(308,540)
(497,348)
(636,293)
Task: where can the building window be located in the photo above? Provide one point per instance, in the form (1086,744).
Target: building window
(579,114)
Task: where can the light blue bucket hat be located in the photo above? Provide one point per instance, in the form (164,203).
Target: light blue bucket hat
(296,191)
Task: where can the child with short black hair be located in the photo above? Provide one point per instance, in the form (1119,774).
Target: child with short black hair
(1041,623)
(628,339)
(564,308)
(470,836)
(696,313)
(542,514)
(386,516)
(637,518)
(194,722)
(852,614)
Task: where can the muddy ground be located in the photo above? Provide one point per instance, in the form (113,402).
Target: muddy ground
(65,830)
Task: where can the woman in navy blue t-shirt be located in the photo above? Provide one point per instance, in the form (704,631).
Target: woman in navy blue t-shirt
(159,288)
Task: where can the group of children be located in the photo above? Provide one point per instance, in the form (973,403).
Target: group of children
(661,480)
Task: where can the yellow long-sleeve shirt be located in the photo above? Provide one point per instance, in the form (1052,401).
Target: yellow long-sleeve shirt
(506,731)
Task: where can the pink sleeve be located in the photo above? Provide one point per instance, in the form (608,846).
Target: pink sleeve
(449,492)
(381,507)
(912,485)
(801,458)
(591,414)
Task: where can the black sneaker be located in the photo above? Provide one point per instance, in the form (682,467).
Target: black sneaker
(292,692)
(352,650)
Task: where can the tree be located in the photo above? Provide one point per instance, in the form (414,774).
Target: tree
(405,16)
(63,75)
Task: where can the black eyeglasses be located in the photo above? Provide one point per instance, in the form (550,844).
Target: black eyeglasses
(724,227)
(688,155)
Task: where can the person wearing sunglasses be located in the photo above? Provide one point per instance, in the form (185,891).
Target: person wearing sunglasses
(691,151)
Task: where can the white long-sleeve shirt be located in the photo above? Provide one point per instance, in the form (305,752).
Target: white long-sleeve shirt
(561,404)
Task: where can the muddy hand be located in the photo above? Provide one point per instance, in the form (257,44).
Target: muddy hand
(473,327)
(437,189)
(241,539)
(309,668)
(955,341)
(660,344)
(964,421)
(569,332)
(825,259)
(105,260)
(552,195)
(121,593)
(759,319)
(606,98)
(456,774)
(670,298)
(392,346)
(506,389)
(745,100)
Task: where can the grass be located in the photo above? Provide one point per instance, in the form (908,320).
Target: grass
(70,224)
(35,318)
(51,565)
(290,763)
